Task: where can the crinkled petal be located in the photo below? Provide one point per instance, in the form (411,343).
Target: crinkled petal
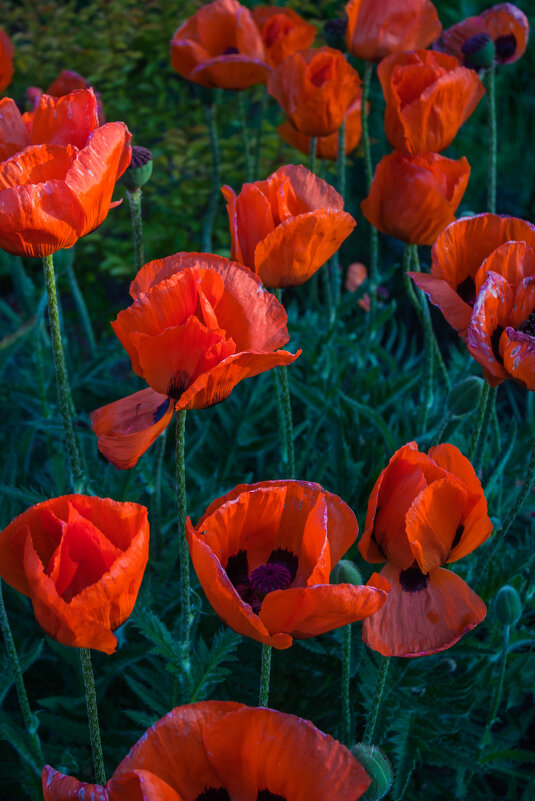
(67,120)
(14,135)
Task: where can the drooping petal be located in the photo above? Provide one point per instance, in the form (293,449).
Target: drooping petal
(445,297)
(58,787)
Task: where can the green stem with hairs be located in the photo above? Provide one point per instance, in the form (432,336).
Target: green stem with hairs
(209,217)
(265,672)
(416,303)
(92,715)
(493,138)
(62,380)
(285,410)
(369,732)
(346,675)
(245,134)
(134,201)
(477,456)
(368,166)
(180,472)
(312,154)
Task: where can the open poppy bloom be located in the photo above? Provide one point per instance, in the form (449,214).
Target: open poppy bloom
(327,146)
(220,46)
(283,32)
(286,227)
(264,553)
(504,24)
(413,197)
(81,560)
(377,28)
(315,89)
(221,750)
(463,256)
(56,183)
(6,60)
(428,97)
(199,324)
(424,511)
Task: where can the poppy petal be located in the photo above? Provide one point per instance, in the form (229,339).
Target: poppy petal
(423,621)
(491,313)
(231,72)
(14,136)
(67,120)
(58,787)
(35,165)
(127,427)
(445,297)
(140,785)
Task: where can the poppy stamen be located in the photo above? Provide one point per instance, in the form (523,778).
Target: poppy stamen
(267,795)
(267,578)
(528,326)
(475,43)
(413,580)
(214,794)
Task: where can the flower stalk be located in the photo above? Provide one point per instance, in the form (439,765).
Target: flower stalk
(265,672)
(312,154)
(245,135)
(180,471)
(92,715)
(346,675)
(369,731)
(134,201)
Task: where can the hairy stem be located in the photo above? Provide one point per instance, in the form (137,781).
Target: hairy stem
(134,201)
(265,672)
(92,715)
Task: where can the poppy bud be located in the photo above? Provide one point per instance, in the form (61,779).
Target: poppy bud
(465,396)
(508,606)
(346,572)
(478,51)
(334,33)
(378,769)
(139,170)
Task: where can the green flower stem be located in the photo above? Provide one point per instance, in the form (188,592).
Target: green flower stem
(346,674)
(265,672)
(481,412)
(429,339)
(209,217)
(180,466)
(134,201)
(92,715)
(288,423)
(312,154)
(368,166)
(327,290)
(245,134)
(376,705)
(29,721)
(62,381)
(156,522)
(409,286)
(79,301)
(493,711)
(259,129)
(485,428)
(442,427)
(45,411)
(493,138)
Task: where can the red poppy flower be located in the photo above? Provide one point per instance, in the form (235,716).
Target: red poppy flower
(315,89)
(67,81)
(81,560)
(6,60)
(505,24)
(220,750)
(377,28)
(220,46)
(283,32)
(413,197)
(199,325)
(264,553)
(327,146)
(463,256)
(428,97)
(424,511)
(56,183)
(286,227)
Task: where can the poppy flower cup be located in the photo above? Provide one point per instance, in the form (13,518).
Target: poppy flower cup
(221,750)
(428,97)
(504,24)
(464,255)
(315,89)
(424,511)
(413,197)
(81,560)
(220,47)
(286,227)
(377,28)
(56,183)
(199,324)
(264,553)
(283,32)
(6,60)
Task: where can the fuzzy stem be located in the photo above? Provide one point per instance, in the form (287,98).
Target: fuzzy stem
(493,139)
(134,201)
(29,721)
(442,427)
(265,672)
(209,217)
(368,166)
(341,160)
(483,402)
(416,303)
(245,134)
(62,381)
(346,674)
(376,705)
(92,715)
(312,154)
(180,471)
(288,422)
(485,427)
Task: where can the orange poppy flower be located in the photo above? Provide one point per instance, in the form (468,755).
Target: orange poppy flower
(220,46)
(327,146)
(56,183)
(81,560)
(283,32)
(413,197)
(428,97)
(377,28)
(286,227)
(424,511)
(198,326)
(67,81)
(315,89)
(464,254)
(264,553)
(221,750)
(505,24)
(6,60)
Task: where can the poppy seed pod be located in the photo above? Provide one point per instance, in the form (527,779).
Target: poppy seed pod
(478,51)
(378,768)
(464,397)
(346,572)
(139,170)
(508,606)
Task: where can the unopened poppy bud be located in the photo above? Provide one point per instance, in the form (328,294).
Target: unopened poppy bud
(139,170)
(378,769)
(465,396)
(508,606)
(334,33)
(478,51)
(346,572)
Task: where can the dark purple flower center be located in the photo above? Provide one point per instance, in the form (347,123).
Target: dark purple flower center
(457,538)
(277,574)
(231,51)
(413,580)
(475,43)
(505,47)
(267,578)
(467,290)
(495,343)
(140,156)
(179,383)
(221,794)
(528,326)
